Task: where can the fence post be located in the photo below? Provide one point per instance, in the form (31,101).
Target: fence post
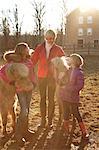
(73,48)
(88,48)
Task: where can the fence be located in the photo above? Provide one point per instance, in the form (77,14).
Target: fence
(88,49)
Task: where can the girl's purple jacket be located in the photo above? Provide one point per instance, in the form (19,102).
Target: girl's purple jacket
(70,92)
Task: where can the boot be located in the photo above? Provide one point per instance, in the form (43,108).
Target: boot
(4,130)
(66,127)
(43,123)
(83,129)
(50,124)
(85,135)
(28,135)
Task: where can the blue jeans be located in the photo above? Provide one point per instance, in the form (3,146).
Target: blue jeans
(24,99)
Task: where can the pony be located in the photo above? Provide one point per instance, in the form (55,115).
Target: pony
(61,66)
(12,76)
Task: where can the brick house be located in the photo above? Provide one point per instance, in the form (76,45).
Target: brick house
(83,28)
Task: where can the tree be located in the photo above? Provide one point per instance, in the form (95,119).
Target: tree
(16,24)
(39,12)
(5,29)
(64,22)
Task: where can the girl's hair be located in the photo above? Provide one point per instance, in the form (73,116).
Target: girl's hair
(77,59)
(17,54)
(20,48)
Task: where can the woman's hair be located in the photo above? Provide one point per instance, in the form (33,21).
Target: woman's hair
(50,33)
(77,59)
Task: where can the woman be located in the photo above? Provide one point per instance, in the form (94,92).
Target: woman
(43,55)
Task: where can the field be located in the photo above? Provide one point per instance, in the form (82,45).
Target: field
(53,139)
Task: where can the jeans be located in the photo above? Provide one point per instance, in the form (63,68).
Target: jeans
(47,85)
(24,99)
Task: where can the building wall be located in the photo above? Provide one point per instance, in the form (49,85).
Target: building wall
(73,26)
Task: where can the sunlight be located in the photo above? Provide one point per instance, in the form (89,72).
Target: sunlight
(53,9)
(85,5)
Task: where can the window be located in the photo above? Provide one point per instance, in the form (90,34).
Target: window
(96,43)
(89,31)
(89,19)
(80,43)
(80,32)
(81,20)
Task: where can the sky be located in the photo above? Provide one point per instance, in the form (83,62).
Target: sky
(54,11)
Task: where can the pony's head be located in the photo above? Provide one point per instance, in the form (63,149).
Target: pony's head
(15,71)
(60,63)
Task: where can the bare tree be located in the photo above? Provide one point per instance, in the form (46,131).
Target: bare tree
(39,12)
(16,24)
(64,21)
(5,29)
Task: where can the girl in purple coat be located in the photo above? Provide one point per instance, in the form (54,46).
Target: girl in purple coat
(70,94)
